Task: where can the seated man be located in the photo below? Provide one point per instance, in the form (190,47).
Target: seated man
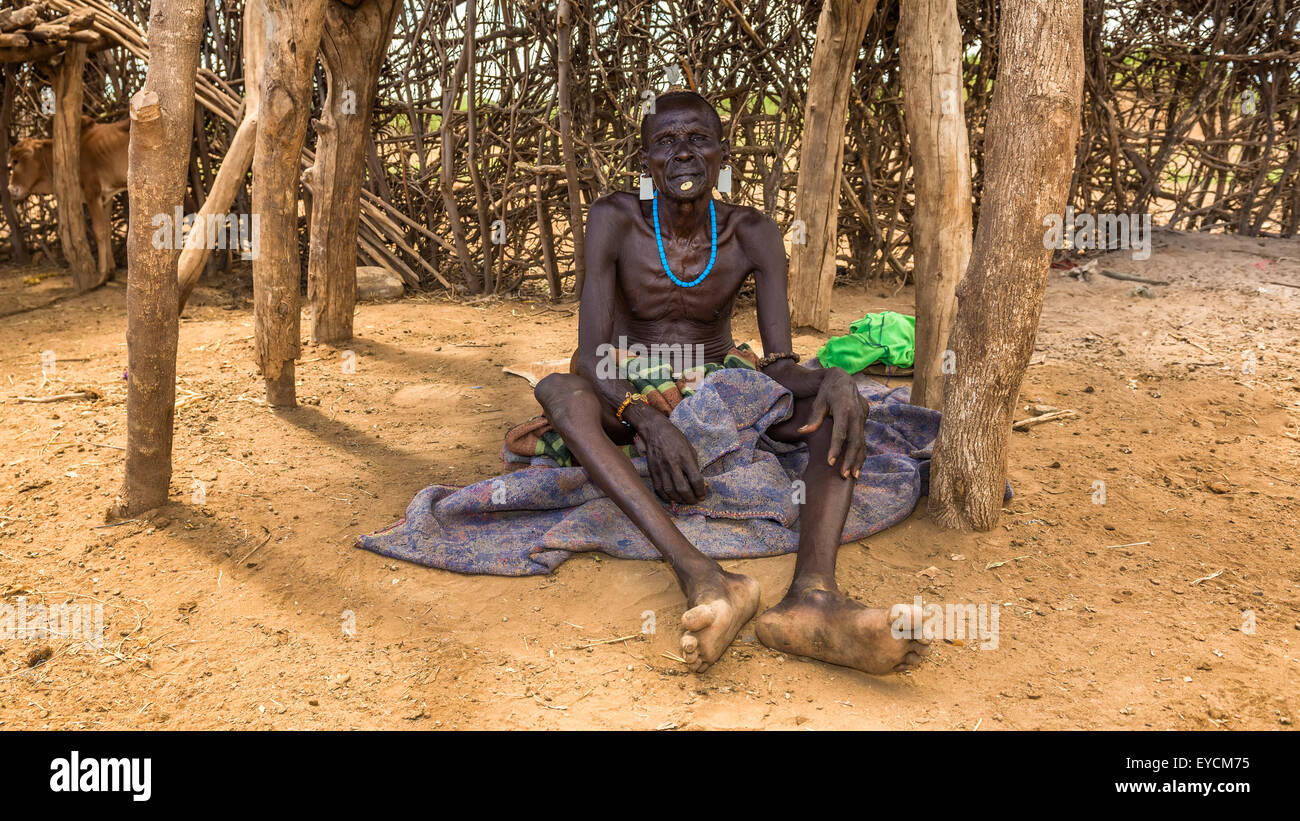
(664,274)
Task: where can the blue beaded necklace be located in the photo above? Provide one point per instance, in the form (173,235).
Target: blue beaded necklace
(713,247)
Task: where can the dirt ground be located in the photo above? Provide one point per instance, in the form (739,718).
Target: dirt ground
(1172,605)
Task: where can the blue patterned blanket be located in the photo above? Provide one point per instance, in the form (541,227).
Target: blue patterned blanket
(530,521)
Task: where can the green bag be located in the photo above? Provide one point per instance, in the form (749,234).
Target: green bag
(887,337)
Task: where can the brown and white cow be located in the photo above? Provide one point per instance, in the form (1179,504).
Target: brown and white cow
(103,174)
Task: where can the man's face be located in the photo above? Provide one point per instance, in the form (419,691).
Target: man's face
(684,151)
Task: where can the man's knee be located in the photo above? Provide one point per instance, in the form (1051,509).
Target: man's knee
(558,392)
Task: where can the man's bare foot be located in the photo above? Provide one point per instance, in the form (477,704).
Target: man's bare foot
(714,616)
(828,626)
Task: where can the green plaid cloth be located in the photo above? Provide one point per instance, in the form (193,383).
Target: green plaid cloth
(651,377)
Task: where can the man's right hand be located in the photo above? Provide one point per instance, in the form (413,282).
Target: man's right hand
(671,459)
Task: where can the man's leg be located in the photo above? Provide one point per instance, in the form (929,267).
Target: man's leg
(718,603)
(815,619)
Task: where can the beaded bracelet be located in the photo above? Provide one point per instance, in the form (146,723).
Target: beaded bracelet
(628,400)
(774,357)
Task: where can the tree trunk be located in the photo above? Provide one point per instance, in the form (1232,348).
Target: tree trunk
(817,199)
(352,49)
(930,62)
(293,32)
(68,98)
(564,25)
(1029,141)
(20,255)
(162,122)
(234,167)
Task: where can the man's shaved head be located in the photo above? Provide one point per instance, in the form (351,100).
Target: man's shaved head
(677,100)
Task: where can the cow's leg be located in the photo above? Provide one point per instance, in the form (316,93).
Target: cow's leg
(103,236)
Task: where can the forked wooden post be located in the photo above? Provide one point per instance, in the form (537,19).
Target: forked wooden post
(821,158)
(293,31)
(929,52)
(68,99)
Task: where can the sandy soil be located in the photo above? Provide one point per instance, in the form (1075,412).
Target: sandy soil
(229,613)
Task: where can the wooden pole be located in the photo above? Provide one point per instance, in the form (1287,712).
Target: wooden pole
(231,174)
(293,32)
(20,254)
(162,122)
(1029,143)
(485,239)
(447,166)
(930,70)
(840,30)
(352,49)
(68,98)
(239,157)
(564,23)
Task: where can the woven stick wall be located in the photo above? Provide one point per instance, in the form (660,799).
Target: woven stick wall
(1191,113)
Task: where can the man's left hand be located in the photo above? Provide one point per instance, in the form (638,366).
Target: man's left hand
(838,398)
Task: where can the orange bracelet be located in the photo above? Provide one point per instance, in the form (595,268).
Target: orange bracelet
(628,400)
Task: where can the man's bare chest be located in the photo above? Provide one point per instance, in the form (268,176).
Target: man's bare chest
(648,293)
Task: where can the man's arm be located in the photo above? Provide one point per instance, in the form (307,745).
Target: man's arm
(832,389)
(596,311)
(765,247)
